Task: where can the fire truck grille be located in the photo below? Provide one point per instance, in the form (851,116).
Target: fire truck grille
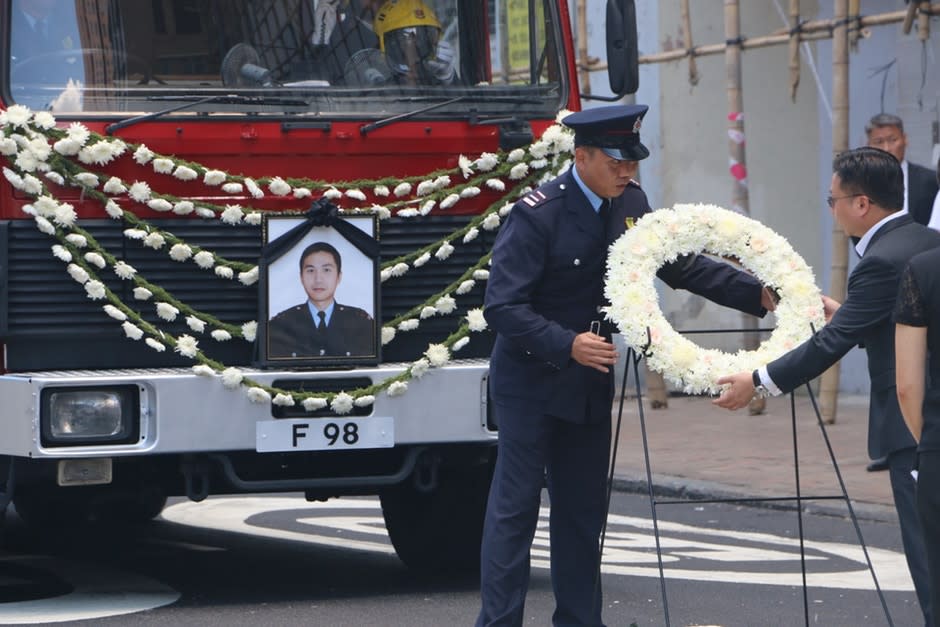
(47,321)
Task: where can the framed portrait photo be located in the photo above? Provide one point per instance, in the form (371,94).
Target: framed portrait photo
(319,292)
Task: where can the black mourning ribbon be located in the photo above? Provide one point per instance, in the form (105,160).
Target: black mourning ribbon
(321,213)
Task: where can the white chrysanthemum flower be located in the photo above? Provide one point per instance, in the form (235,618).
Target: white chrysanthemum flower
(279,187)
(77,240)
(61,253)
(224,272)
(539,149)
(139,191)
(419,368)
(408,325)
(27,162)
(397,388)
(425,188)
(446,304)
(426,207)
(381,191)
(124,270)
(155,241)
(491,222)
(167,312)
(383,212)
(437,355)
(44,225)
(250,330)
(399,269)
(515,155)
(407,213)
(32,185)
(364,401)
(302,192)
(65,215)
(99,153)
(162,165)
(143,155)
(204,259)
(427,312)
(471,235)
(487,162)
(421,260)
(8,147)
(232,214)
(332,194)
(214,177)
(203,370)
(356,194)
(449,201)
(538,164)
(465,165)
(160,204)
(258,395)
(342,403)
(232,377)
(253,189)
(114,185)
(221,335)
(254,218)
(475,320)
(142,293)
(95,259)
(402,189)
(180,252)
(481,275)
(195,324)
(465,287)
(505,209)
(15,179)
(205,212)
(388,334)
(385,275)
(118,148)
(314,403)
(470,192)
(95,290)
(250,277)
(187,346)
(78,273)
(44,120)
(441,182)
(233,188)
(29,210)
(115,313)
(459,344)
(185,173)
(283,400)
(53,176)
(114,210)
(132,331)
(135,234)
(518,171)
(17,116)
(183,207)
(444,251)
(87,179)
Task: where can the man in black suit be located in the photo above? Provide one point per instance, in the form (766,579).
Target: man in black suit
(550,369)
(886,131)
(321,327)
(865,195)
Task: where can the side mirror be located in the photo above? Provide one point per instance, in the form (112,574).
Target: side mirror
(622,55)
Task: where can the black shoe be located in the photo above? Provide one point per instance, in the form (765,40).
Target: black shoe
(878,464)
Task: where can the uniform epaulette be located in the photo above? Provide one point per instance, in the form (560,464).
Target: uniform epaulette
(635,183)
(534,198)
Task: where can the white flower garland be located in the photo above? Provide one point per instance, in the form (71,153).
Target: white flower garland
(661,237)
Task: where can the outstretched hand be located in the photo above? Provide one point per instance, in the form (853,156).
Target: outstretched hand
(739,392)
(593,351)
(830,307)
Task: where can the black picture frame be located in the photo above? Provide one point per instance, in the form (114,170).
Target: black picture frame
(288,335)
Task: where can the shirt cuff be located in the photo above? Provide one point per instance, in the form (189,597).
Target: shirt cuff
(768,382)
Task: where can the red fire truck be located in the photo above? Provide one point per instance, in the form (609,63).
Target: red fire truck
(136,133)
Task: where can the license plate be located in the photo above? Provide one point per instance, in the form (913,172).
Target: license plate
(325,434)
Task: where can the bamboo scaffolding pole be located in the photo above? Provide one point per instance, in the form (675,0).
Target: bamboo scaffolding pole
(923,22)
(584,74)
(687,27)
(829,385)
(854,33)
(795,40)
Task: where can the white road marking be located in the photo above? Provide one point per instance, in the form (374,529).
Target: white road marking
(689,552)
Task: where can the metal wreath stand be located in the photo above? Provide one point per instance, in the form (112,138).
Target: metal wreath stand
(635,357)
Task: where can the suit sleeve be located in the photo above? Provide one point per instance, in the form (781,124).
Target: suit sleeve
(518,265)
(716,281)
(872,292)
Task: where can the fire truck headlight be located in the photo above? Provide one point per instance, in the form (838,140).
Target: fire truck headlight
(73,416)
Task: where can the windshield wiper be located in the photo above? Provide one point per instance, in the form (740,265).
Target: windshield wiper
(368,128)
(228,98)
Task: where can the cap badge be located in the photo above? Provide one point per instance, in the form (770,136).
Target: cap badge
(636,125)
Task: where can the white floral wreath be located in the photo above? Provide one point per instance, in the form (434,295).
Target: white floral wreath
(661,237)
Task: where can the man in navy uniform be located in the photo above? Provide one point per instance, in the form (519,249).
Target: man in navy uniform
(551,378)
(321,327)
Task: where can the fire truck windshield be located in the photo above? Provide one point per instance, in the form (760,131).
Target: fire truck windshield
(363,59)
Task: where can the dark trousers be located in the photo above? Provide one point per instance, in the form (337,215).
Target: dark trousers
(573,458)
(904,490)
(928,506)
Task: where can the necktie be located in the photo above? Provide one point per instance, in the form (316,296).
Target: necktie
(604,213)
(321,321)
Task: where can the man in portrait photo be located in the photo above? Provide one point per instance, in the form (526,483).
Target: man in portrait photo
(321,327)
